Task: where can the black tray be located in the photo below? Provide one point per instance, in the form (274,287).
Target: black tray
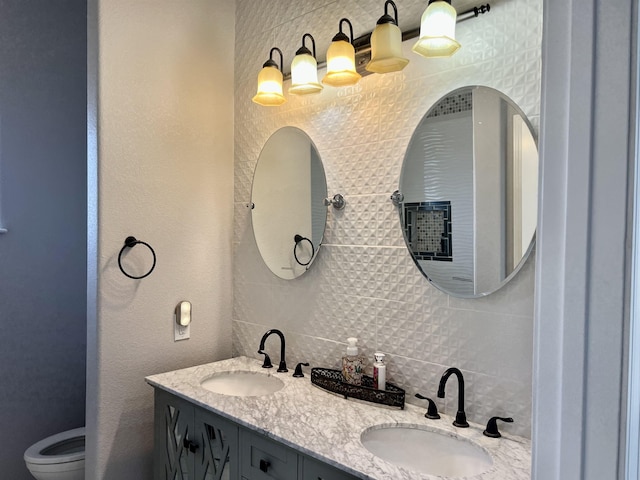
(333,381)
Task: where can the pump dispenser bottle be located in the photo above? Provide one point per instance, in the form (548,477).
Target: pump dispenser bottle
(379,372)
(352,363)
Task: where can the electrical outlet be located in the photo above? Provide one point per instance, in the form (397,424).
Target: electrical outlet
(180,332)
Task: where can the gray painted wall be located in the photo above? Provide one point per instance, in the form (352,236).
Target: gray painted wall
(160,162)
(43,206)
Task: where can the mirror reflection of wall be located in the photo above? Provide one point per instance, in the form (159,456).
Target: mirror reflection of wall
(438,167)
(474,151)
(288,190)
(524,181)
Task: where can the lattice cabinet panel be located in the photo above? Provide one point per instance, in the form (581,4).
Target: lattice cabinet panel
(174,424)
(192,443)
(217,458)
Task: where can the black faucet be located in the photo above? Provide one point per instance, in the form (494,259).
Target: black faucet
(461,417)
(267,361)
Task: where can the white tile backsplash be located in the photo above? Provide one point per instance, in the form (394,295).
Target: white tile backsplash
(363,282)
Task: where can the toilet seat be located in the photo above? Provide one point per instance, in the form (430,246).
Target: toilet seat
(64,447)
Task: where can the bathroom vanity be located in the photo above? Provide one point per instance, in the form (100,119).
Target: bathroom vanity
(193,442)
(295,431)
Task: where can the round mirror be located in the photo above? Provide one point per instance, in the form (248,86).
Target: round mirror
(288,212)
(469,190)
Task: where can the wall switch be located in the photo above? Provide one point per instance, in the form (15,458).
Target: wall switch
(180,332)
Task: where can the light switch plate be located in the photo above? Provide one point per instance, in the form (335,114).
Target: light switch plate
(180,332)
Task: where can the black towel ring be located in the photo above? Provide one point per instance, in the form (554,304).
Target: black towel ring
(130,242)
(299,238)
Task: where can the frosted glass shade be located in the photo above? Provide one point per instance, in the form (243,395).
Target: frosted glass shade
(304,75)
(341,65)
(437,31)
(386,49)
(269,87)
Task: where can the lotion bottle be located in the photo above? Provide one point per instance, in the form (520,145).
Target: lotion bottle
(352,363)
(379,372)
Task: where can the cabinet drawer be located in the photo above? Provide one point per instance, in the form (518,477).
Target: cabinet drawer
(264,459)
(315,470)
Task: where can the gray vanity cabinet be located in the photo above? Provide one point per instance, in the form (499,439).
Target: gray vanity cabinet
(192,443)
(315,470)
(264,459)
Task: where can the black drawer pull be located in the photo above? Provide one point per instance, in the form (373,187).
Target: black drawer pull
(264,465)
(191,446)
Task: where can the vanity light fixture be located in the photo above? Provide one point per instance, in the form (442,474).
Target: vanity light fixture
(437,30)
(304,70)
(270,82)
(386,44)
(349,59)
(341,60)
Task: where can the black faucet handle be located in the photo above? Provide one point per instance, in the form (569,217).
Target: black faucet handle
(432,409)
(267,360)
(298,371)
(492,426)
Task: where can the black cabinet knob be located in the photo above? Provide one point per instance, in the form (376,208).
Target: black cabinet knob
(189,445)
(264,465)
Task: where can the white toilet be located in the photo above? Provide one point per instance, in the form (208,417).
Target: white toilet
(58,457)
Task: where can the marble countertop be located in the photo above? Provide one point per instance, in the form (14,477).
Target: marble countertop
(327,427)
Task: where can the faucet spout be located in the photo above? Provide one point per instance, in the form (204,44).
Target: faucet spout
(461,417)
(282,367)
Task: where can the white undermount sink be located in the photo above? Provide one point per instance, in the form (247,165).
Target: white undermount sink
(427,451)
(242,383)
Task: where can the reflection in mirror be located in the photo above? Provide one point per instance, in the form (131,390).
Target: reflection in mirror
(288,192)
(470,186)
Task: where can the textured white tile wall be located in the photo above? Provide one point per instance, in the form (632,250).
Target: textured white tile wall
(364,283)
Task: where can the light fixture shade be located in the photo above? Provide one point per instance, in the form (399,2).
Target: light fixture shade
(269,87)
(437,31)
(386,49)
(304,75)
(341,64)
(304,70)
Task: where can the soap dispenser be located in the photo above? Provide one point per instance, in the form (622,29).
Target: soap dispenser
(352,363)
(379,372)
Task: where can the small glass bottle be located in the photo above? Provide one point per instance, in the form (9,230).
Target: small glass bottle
(352,363)
(379,372)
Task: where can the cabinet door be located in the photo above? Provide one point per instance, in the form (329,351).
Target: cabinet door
(173,426)
(315,470)
(265,459)
(217,453)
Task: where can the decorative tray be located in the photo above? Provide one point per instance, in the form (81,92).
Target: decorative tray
(333,381)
